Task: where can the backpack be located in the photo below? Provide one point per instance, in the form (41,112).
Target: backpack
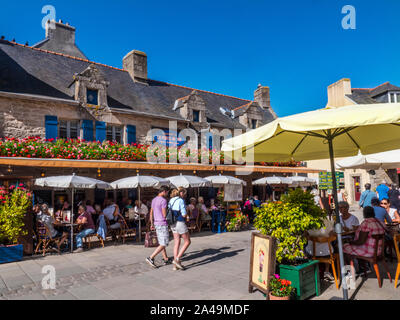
(171,217)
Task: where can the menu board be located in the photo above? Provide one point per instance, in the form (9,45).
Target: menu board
(325,180)
(233,192)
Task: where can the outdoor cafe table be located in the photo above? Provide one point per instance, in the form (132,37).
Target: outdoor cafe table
(69,225)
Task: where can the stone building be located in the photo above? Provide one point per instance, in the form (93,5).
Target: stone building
(52,90)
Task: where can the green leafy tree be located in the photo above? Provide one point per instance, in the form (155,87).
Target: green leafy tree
(13,207)
(287,221)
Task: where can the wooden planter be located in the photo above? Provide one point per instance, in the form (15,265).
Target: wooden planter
(304,278)
(11,253)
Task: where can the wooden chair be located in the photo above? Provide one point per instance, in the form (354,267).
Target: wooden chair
(193,224)
(396,240)
(331,259)
(379,238)
(126,231)
(204,222)
(45,239)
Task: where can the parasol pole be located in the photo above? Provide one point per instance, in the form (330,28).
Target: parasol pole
(140,222)
(71,219)
(338,226)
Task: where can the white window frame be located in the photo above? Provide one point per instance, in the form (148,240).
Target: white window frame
(113,132)
(69,128)
(395,93)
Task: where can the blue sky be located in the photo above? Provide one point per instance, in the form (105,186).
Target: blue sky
(297,48)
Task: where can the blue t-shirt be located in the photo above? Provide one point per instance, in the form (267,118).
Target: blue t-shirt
(257,203)
(381,214)
(366,197)
(382,190)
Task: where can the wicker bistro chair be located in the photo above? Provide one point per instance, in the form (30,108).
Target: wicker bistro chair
(396,240)
(332,259)
(379,238)
(45,239)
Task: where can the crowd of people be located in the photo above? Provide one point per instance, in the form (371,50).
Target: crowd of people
(96,219)
(380,210)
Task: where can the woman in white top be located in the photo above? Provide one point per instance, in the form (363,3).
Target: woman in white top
(179,228)
(348,221)
(140,208)
(394,215)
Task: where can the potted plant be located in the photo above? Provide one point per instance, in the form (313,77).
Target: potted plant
(14,203)
(237,222)
(287,220)
(279,289)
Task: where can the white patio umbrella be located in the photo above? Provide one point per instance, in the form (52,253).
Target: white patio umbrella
(382,160)
(300,181)
(72,182)
(272,180)
(220,180)
(138,182)
(189,181)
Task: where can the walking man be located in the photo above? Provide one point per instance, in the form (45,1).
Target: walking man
(158,222)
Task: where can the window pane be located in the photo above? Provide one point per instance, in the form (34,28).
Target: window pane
(392,98)
(92,96)
(73,133)
(118,134)
(63,130)
(253,124)
(109,135)
(196,115)
(398,98)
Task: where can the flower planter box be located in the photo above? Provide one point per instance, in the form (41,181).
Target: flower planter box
(11,253)
(304,278)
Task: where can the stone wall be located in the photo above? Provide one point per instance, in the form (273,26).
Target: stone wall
(21,118)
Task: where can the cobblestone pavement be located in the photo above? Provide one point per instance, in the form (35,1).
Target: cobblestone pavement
(217,268)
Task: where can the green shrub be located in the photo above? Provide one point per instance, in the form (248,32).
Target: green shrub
(14,204)
(287,220)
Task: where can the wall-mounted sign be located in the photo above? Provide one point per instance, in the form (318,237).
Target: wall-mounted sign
(325,180)
(262,262)
(165,138)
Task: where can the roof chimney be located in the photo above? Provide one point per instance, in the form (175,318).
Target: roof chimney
(261,96)
(60,38)
(135,62)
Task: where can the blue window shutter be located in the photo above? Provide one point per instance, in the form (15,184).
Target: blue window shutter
(87,126)
(210,142)
(51,126)
(100,131)
(131,133)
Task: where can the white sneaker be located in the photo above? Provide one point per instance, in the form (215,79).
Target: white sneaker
(328,276)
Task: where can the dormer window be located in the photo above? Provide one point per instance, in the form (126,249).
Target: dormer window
(196,116)
(92,97)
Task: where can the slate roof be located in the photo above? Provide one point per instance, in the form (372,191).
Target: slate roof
(368,95)
(30,70)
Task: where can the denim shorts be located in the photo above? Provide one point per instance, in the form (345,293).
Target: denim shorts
(162,235)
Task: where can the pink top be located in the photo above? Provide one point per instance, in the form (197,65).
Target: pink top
(373,227)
